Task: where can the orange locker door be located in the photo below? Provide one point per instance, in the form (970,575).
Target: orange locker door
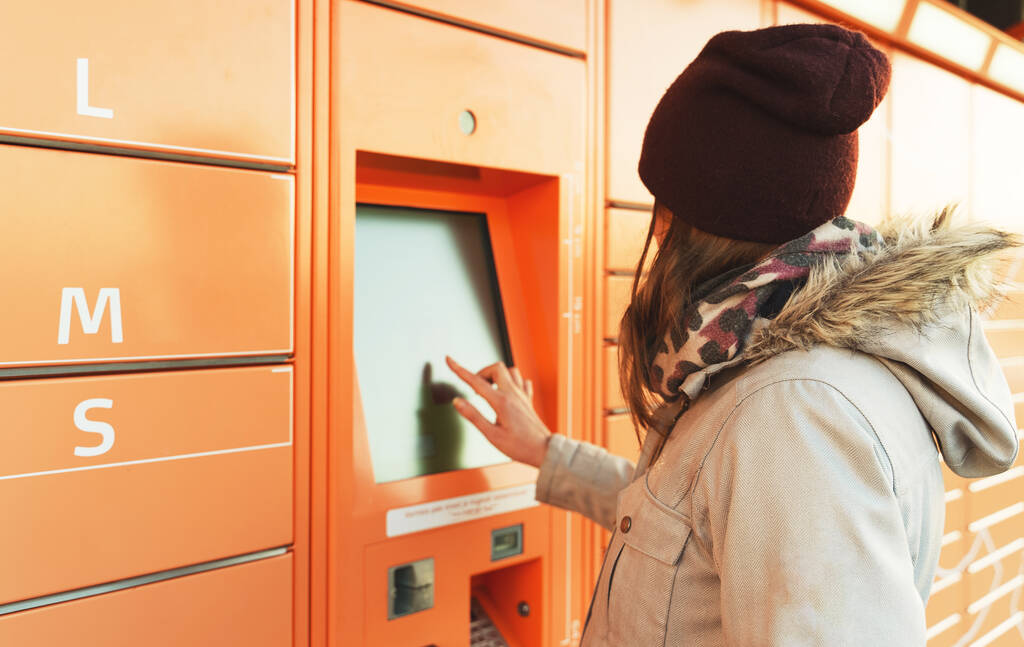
(103,478)
(127,259)
(558,23)
(930,136)
(625,235)
(191,77)
(245,605)
(998,147)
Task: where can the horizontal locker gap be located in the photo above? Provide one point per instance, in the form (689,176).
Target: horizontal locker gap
(484,29)
(615,412)
(119,585)
(632,206)
(992,481)
(629,273)
(1000,592)
(614,341)
(951,537)
(946,582)
(1003,324)
(999,630)
(137,367)
(996,517)
(148,461)
(1014,546)
(1016,360)
(121,151)
(953,495)
(943,625)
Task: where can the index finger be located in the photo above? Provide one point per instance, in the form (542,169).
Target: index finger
(477,383)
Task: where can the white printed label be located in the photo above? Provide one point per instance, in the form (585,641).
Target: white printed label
(105,431)
(435,514)
(82,104)
(90,320)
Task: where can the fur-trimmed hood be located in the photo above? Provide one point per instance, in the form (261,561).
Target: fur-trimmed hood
(913,305)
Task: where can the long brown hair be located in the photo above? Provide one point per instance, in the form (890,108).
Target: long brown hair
(686,258)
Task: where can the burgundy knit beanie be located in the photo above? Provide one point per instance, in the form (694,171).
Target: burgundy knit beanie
(756,140)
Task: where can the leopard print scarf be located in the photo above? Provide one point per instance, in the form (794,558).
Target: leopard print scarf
(726,311)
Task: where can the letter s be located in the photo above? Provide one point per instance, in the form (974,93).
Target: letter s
(94,427)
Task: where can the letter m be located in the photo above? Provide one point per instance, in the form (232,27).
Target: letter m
(90,320)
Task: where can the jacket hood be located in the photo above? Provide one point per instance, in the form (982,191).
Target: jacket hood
(914,305)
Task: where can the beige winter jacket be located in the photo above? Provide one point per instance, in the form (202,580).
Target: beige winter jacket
(799,501)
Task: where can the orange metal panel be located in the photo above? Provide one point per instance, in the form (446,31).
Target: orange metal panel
(1002,532)
(930,136)
(248,604)
(626,233)
(116,476)
(529,105)
(620,437)
(991,499)
(307,177)
(612,392)
(944,603)
(1008,342)
(141,259)
(956,513)
(649,44)
(192,77)
(617,290)
(998,611)
(324,185)
(998,148)
(1012,307)
(559,22)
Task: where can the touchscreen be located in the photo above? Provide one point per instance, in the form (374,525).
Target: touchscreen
(425,286)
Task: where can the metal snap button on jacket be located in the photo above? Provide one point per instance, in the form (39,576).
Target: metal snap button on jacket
(626,523)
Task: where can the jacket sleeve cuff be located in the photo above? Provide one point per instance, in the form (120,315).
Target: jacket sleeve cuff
(582,477)
(556,460)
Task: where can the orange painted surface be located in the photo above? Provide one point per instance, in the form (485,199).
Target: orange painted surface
(613,398)
(617,292)
(248,604)
(998,170)
(625,235)
(518,94)
(649,44)
(310,176)
(620,436)
(525,254)
(523,167)
(930,136)
(558,22)
(200,259)
(116,476)
(194,77)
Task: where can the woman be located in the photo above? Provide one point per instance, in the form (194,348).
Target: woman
(791,371)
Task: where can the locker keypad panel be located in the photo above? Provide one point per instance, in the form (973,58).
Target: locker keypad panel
(128,259)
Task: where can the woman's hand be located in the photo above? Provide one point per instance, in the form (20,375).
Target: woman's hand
(518,431)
